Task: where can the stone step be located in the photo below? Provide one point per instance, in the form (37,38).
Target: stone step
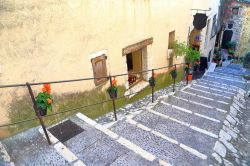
(225,81)
(229,92)
(218,86)
(229,71)
(208,94)
(5,159)
(156,143)
(203,100)
(211,90)
(216,74)
(178,131)
(30,148)
(215,83)
(94,147)
(197,108)
(226,75)
(188,116)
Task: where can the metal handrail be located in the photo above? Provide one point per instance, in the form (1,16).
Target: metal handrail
(28,85)
(83,79)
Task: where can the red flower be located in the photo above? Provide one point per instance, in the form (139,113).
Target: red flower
(49,101)
(114,81)
(46,88)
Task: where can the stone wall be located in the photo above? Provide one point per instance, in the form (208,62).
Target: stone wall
(244,42)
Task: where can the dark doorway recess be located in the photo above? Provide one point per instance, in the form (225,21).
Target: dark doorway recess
(227,36)
(65,130)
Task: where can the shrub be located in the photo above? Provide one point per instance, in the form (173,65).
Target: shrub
(231,44)
(192,55)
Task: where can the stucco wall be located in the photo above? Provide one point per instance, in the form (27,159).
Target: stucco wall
(51,40)
(46,40)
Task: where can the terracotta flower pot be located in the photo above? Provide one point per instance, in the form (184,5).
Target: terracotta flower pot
(190,77)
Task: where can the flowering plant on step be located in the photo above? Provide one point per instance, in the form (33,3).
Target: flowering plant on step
(44,100)
(112,90)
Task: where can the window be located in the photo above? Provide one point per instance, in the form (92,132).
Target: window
(171,40)
(214,27)
(99,69)
(235,10)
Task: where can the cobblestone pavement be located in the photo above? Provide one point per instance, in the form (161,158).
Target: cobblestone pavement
(205,123)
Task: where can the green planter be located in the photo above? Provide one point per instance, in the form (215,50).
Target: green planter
(173,74)
(112,92)
(152,82)
(42,112)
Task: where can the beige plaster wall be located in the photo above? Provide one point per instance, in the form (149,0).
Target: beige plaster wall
(46,40)
(51,40)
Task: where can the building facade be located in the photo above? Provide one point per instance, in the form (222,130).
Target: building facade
(45,40)
(236,23)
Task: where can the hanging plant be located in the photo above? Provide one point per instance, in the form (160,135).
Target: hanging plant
(152,80)
(44,100)
(112,90)
(187,68)
(173,73)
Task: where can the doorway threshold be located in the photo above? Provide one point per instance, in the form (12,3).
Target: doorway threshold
(136,88)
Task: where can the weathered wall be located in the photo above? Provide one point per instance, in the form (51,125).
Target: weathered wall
(244,43)
(46,40)
(241,25)
(51,40)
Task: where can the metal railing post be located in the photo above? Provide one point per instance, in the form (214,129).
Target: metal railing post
(174,78)
(152,87)
(113,99)
(37,112)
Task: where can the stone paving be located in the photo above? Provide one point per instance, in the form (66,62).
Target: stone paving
(205,123)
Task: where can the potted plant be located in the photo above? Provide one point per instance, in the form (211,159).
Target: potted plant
(152,80)
(192,55)
(44,100)
(187,68)
(173,73)
(231,46)
(112,90)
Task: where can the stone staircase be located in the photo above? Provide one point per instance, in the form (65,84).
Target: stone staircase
(193,126)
